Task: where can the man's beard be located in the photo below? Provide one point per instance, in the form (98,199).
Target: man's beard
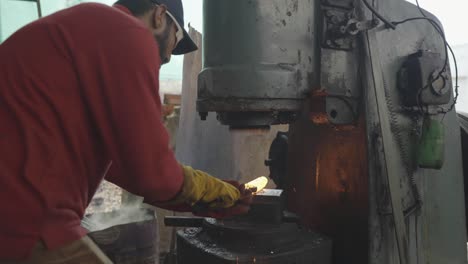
(162,42)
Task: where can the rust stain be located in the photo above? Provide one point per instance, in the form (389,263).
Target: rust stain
(319,118)
(331,194)
(318,108)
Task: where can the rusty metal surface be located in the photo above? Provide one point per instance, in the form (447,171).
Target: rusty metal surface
(327,185)
(334,189)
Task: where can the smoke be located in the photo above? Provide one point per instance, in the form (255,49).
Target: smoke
(128,213)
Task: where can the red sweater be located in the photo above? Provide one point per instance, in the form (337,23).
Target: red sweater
(78,92)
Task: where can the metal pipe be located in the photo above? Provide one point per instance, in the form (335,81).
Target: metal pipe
(39,8)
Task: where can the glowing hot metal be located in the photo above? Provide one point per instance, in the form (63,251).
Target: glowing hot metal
(258,184)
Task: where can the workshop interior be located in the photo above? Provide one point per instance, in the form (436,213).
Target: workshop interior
(369,168)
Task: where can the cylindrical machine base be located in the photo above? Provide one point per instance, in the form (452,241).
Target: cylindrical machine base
(232,242)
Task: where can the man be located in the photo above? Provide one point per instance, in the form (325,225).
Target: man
(78,103)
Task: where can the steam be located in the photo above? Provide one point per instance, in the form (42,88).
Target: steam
(128,213)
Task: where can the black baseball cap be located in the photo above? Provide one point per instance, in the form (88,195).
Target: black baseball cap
(176,9)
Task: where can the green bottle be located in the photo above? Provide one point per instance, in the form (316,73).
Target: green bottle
(431,148)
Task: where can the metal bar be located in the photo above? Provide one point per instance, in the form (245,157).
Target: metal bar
(390,152)
(39,8)
(183,221)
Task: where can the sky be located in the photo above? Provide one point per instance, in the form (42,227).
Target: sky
(451,14)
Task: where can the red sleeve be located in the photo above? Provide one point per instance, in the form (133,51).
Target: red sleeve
(130,121)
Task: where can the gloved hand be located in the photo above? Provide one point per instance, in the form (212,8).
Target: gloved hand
(241,207)
(202,189)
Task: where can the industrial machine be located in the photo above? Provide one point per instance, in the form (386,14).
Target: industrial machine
(371,166)
(265,235)
(370,170)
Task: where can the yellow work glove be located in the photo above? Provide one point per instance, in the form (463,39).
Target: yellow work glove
(201,188)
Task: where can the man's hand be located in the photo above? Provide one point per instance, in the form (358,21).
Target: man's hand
(200,189)
(205,195)
(241,207)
